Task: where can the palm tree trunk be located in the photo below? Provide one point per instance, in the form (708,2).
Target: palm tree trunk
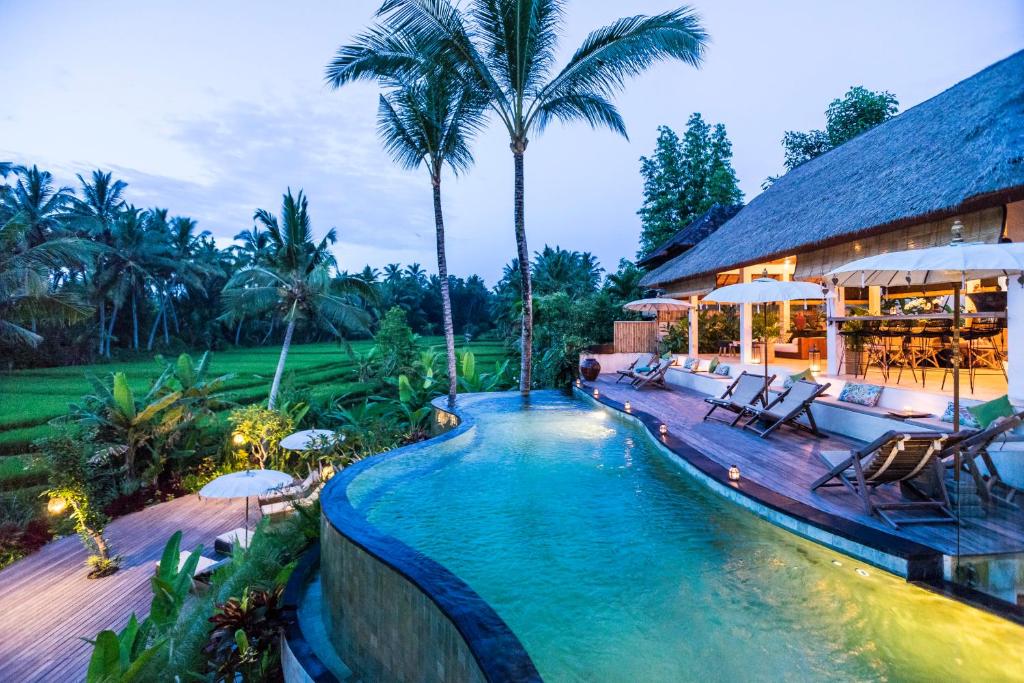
(110,332)
(168,303)
(446,301)
(135,323)
(518,148)
(174,317)
(103,323)
(280,364)
(238,332)
(153,329)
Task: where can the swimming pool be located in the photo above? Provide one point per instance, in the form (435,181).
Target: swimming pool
(611,564)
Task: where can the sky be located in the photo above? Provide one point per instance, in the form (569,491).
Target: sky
(213,109)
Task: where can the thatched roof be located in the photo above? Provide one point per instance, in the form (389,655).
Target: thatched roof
(690,235)
(960,151)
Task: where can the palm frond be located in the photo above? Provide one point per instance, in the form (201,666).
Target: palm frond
(589,107)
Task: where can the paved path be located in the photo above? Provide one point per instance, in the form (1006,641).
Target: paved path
(47,605)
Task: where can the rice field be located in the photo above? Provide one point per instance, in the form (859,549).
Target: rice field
(31,398)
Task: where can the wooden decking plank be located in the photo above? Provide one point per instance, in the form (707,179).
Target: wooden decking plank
(47,604)
(787,463)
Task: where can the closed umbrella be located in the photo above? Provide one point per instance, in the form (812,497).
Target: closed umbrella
(245,484)
(951,264)
(761,291)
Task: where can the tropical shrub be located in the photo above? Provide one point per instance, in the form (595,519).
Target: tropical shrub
(396,344)
(245,636)
(258,432)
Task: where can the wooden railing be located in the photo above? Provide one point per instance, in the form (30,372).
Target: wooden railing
(636,336)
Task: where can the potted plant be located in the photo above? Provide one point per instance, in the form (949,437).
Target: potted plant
(855,338)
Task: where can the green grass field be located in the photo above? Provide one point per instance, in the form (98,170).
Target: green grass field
(30,398)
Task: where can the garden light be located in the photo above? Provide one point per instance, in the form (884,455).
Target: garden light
(56,506)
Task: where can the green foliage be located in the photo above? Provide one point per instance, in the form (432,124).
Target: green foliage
(857,111)
(245,636)
(473,380)
(395,342)
(121,657)
(683,179)
(260,431)
(717,326)
(171,584)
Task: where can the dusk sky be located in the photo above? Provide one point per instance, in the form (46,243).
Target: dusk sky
(212,109)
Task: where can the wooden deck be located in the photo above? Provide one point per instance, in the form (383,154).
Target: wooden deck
(47,605)
(787,463)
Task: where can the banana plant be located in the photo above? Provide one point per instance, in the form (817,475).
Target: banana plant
(171,584)
(471,380)
(120,657)
(122,420)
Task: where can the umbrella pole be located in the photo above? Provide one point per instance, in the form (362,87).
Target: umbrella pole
(764,351)
(956,360)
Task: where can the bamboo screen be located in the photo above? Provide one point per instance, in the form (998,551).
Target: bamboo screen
(636,336)
(981,226)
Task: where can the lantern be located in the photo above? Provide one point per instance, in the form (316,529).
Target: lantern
(734,473)
(663,429)
(814,355)
(629,407)
(56,506)
(596,393)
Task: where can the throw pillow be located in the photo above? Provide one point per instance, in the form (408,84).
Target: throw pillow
(966,419)
(713,364)
(723,370)
(987,413)
(691,364)
(861,394)
(793,379)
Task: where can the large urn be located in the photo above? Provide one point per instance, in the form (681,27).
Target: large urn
(590,369)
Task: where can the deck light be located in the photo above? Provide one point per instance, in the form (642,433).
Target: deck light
(596,393)
(56,506)
(814,355)
(663,429)
(629,407)
(734,473)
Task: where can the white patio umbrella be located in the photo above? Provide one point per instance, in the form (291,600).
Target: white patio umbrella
(245,484)
(950,264)
(655,305)
(765,290)
(306,439)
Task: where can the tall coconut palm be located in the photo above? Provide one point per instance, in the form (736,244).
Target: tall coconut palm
(428,123)
(296,282)
(37,205)
(504,50)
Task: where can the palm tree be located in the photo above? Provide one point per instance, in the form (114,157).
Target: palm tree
(27,294)
(504,50)
(34,202)
(428,123)
(296,282)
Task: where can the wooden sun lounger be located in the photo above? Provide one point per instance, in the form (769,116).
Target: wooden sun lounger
(892,458)
(786,409)
(628,372)
(635,376)
(655,378)
(747,389)
(299,490)
(975,446)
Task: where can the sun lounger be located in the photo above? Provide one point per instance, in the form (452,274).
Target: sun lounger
(284,508)
(655,378)
(643,360)
(226,542)
(747,389)
(786,409)
(645,371)
(299,490)
(975,447)
(892,458)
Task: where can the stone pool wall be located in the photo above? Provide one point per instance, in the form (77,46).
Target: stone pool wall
(386,628)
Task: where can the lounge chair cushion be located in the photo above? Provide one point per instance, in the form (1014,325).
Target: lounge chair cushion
(227,541)
(722,370)
(645,368)
(966,419)
(861,394)
(990,411)
(806,375)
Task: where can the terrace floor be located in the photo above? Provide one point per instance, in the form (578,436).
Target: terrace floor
(47,605)
(787,463)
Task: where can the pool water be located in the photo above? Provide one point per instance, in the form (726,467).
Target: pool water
(612,564)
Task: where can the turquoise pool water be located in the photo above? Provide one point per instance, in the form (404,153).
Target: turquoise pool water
(611,564)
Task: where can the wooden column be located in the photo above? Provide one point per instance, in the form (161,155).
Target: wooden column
(833,341)
(784,309)
(874,301)
(746,323)
(694,328)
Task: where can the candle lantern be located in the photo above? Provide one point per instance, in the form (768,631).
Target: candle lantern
(579,382)
(663,429)
(629,407)
(734,473)
(596,393)
(814,355)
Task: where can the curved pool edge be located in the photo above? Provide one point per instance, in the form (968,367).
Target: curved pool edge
(376,638)
(917,563)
